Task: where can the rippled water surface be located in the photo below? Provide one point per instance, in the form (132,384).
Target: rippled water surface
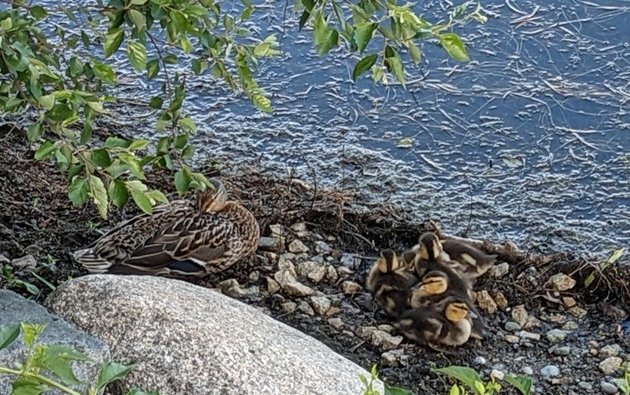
(530,141)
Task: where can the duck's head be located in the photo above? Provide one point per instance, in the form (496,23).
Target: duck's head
(456,310)
(430,247)
(213,198)
(434,283)
(387,261)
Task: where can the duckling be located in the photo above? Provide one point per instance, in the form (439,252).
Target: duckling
(471,261)
(181,239)
(434,288)
(446,322)
(390,283)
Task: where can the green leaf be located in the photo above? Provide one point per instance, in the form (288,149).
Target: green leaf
(323,37)
(187,125)
(156,196)
(454,47)
(104,73)
(34,132)
(184,42)
(112,42)
(96,106)
(99,194)
(30,332)
(454,390)
(522,383)
(153,67)
(136,185)
(29,287)
(142,201)
(464,374)
(26,386)
(156,102)
(47,101)
(135,391)
(8,335)
(137,2)
(395,390)
(137,55)
(363,65)
(45,150)
(100,157)
(182,180)
(38,12)
(414,52)
(116,142)
(603,266)
(78,190)
(57,359)
(163,145)
(118,193)
(261,102)
(479,388)
(138,19)
(363,34)
(111,371)
(138,144)
(394,64)
(6,23)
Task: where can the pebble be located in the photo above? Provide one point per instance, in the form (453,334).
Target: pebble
(611,350)
(317,275)
(298,227)
(550,371)
(276,230)
(501,301)
(568,301)
(348,260)
(531,322)
(608,388)
(529,335)
(500,270)
(285,262)
(296,288)
(320,304)
(570,326)
(561,282)
(272,286)
(519,314)
(512,326)
(485,302)
(254,276)
(331,274)
(479,360)
(365,332)
(344,271)
(577,311)
(321,247)
(527,370)
(4,260)
(497,374)
(561,351)
(288,307)
(511,339)
(284,277)
(556,335)
(297,247)
(25,262)
(385,327)
(610,365)
(333,311)
(385,340)
(304,268)
(273,244)
(392,357)
(350,287)
(305,308)
(336,323)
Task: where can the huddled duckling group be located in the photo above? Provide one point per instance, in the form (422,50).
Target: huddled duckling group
(428,290)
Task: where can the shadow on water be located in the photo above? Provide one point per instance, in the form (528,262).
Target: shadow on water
(530,141)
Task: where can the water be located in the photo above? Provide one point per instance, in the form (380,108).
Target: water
(530,141)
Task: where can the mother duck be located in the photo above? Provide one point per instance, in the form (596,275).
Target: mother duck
(182,239)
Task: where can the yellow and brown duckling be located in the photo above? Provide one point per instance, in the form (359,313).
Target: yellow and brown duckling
(390,283)
(181,239)
(447,322)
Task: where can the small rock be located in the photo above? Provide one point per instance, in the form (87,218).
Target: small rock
(288,307)
(529,335)
(344,271)
(322,247)
(284,277)
(611,350)
(500,270)
(556,335)
(519,315)
(336,323)
(390,358)
(385,340)
(348,260)
(511,339)
(561,282)
(577,311)
(385,327)
(501,301)
(512,326)
(608,388)
(497,374)
(480,361)
(4,260)
(365,332)
(585,385)
(331,274)
(610,365)
(334,310)
(317,275)
(25,262)
(561,351)
(550,371)
(227,284)
(273,244)
(531,322)
(296,288)
(350,287)
(276,230)
(298,227)
(320,304)
(570,326)
(297,247)
(254,276)
(305,308)
(527,370)
(485,302)
(557,318)
(272,286)
(568,302)
(285,262)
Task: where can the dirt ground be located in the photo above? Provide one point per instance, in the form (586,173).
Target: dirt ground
(36,218)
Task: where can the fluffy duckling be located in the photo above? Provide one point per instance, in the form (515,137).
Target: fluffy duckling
(390,283)
(181,239)
(446,322)
(434,288)
(472,262)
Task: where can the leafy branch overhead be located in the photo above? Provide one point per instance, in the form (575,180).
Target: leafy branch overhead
(64,78)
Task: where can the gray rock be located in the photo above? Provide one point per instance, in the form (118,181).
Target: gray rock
(479,360)
(561,282)
(317,275)
(384,340)
(336,323)
(331,274)
(512,326)
(305,308)
(550,371)
(289,307)
(561,351)
(284,277)
(608,388)
(304,268)
(321,247)
(610,365)
(556,335)
(254,276)
(276,230)
(273,244)
(527,370)
(298,227)
(349,260)
(350,287)
(272,286)
(611,350)
(500,270)
(296,288)
(15,309)
(529,335)
(320,304)
(25,262)
(297,247)
(192,340)
(4,260)
(519,314)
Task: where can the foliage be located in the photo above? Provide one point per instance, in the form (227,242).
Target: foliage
(63,77)
(368,383)
(623,383)
(6,274)
(603,266)
(472,381)
(54,360)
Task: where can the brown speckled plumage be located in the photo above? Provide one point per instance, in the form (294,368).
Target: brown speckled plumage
(182,239)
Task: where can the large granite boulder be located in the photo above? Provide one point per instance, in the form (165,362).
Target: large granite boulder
(15,309)
(191,340)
